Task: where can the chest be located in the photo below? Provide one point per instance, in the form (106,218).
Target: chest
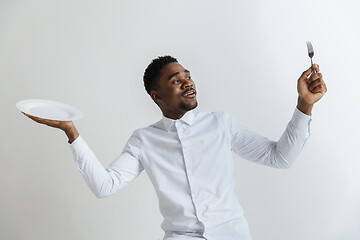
(188,149)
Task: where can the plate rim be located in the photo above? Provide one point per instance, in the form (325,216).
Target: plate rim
(78,113)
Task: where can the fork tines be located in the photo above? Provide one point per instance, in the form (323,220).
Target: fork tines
(310,49)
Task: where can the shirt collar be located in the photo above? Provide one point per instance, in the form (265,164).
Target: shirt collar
(187,118)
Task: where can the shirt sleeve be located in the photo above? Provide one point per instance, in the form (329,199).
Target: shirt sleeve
(281,154)
(106,181)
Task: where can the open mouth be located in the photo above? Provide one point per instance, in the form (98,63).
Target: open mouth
(189,94)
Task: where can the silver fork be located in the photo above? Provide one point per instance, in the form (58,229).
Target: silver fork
(311,54)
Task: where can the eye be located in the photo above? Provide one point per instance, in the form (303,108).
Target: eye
(188,78)
(175,81)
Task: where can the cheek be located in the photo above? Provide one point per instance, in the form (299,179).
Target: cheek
(173,92)
(171,95)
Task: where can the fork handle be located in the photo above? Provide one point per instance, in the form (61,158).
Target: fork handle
(312,67)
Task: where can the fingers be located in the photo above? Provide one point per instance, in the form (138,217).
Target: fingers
(304,76)
(310,77)
(318,86)
(316,67)
(316,83)
(319,89)
(312,82)
(315,77)
(31,117)
(63,125)
(36,119)
(51,123)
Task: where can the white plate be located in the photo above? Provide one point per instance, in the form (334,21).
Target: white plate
(49,109)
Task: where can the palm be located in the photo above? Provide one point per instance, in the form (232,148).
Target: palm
(63,125)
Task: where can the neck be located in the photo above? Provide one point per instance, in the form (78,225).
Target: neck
(174,116)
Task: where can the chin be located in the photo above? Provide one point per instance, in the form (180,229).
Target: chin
(188,107)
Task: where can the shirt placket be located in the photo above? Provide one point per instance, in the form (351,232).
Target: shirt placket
(185,140)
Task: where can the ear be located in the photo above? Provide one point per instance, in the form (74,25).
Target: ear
(155,96)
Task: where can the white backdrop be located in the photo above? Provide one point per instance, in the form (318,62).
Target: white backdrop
(245,57)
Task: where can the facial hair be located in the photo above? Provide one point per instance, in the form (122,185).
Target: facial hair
(187,107)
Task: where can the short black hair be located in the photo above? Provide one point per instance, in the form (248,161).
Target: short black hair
(152,72)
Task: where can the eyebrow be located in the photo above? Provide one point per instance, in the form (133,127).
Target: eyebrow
(177,73)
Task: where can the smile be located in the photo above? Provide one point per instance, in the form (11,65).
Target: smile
(189,93)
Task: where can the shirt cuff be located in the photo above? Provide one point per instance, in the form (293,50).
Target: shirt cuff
(79,147)
(301,121)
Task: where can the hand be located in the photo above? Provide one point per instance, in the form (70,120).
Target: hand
(63,125)
(311,89)
(67,126)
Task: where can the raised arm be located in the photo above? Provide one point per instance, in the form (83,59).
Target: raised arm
(282,154)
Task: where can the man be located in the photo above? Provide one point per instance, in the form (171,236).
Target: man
(188,154)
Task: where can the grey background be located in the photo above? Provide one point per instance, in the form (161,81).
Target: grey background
(245,57)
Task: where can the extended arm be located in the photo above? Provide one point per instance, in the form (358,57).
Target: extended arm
(106,181)
(102,181)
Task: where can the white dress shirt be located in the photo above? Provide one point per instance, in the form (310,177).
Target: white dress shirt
(189,161)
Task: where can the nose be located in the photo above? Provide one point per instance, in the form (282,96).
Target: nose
(187,83)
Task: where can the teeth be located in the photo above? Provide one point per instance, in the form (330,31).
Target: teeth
(192,92)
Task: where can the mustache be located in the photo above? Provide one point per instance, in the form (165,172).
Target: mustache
(188,90)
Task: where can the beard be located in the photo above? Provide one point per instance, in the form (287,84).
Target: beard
(188,106)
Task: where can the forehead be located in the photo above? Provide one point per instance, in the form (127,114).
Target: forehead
(171,68)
